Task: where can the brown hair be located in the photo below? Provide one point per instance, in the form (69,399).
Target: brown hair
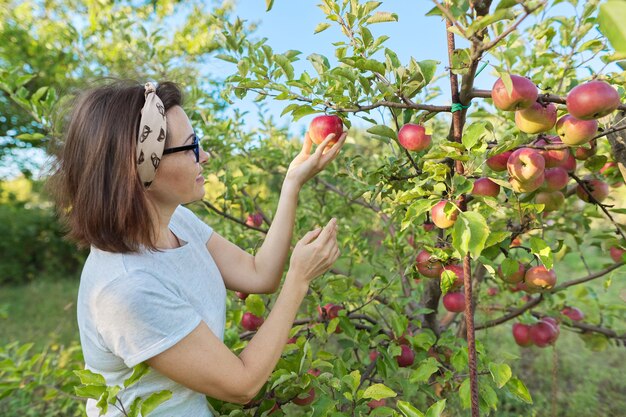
(95,181)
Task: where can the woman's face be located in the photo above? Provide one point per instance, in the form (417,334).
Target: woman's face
(179,177)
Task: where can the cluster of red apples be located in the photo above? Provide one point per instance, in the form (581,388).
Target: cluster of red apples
(546,171)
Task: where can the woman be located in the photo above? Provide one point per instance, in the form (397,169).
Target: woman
(154,285)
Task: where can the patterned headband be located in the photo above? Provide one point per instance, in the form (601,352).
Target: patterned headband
(151,138)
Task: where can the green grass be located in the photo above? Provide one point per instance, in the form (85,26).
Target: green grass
(43,312)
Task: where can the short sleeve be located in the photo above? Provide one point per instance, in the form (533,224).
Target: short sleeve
(190,220)
(138,317)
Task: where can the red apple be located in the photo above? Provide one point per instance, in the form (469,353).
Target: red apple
(542,333)
(521,334)
(598,189)
(322,126)
(305,400)
(373,355)
(241,295)
(292,340)
(537,118)
(439,216)
(251,322)
(485,187)
(592,100)
(527,186)
(314,372)
(617,254)
(428,226)
(329,311)
(555,179)
(573,131)
(255,220)
(492,291)
(552,200)
(454,302)
(406,357)
(553,157)
(498,162)
(570,163)
(607,167)
(584,152)
(413,137)
(515,277)
(526,164)
(523,94)
(376,403)
(428,267)
(539,278)
(573,313)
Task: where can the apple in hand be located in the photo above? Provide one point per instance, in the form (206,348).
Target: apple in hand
(454,302)
(305,400)
(485,187)
(573,313)
(592,100)
(537,118)
(440,218)
(539,278)
(498,162)
(413,137)
(406,357)
(523,94)
(427,267)
(251,322)
(573,131)
(598,189)
(322,126)
(555,179)
(526,164)
(617,254)
(521,334)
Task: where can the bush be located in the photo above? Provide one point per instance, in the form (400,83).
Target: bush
(33,245)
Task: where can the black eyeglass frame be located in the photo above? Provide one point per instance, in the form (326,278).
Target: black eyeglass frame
(195,146)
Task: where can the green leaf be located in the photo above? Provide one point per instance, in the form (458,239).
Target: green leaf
(285,64)
(428,68)
(154,401)
(323,406)
(473,134)
(268,5)
(425,370)
(465,394)
(321,27)
(90,378)
(611,20)
(138,371)
(382,130)
(501,373)
(284,378)
(255,305)
(381,17)
(505,4)
(408,410)
(227,58)
(303,111)
(517,388)
(436,409)
(540,248)
(447,280)
(495,238)
(378,392)
(485,21)
(90,391)
(469,233)
(319,62)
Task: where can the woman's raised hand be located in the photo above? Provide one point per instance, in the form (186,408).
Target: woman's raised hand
(306,165)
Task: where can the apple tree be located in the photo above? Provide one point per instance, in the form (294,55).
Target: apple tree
(450,211)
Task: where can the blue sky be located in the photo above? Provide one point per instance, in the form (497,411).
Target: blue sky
(291,24)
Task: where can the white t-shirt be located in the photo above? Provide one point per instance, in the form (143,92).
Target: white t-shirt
(132,307)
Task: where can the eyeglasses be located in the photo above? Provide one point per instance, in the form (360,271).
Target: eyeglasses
(195,146)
